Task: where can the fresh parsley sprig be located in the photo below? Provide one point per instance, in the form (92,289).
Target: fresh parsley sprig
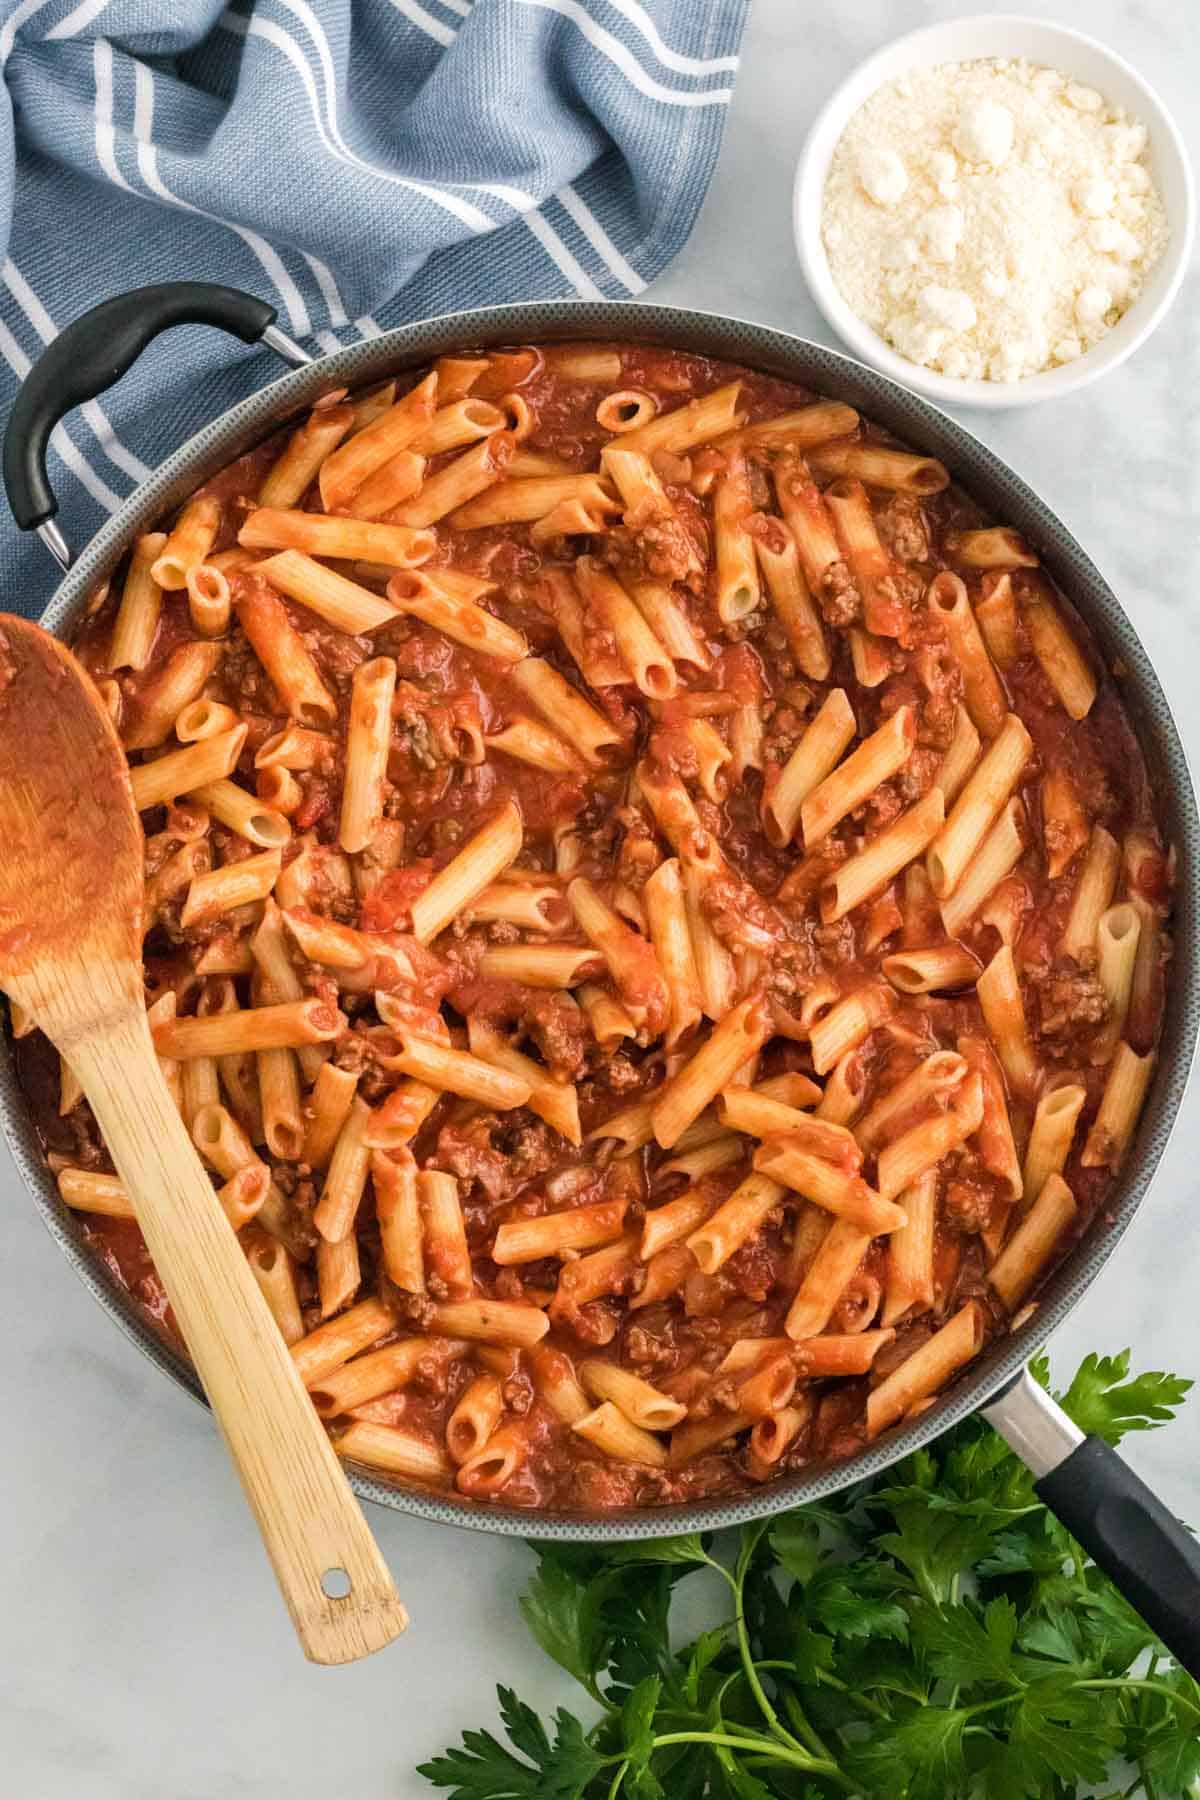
(934,1635)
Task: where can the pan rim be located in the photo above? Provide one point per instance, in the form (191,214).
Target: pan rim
(973,466)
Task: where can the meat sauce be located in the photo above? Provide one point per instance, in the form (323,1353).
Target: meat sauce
(513,1165)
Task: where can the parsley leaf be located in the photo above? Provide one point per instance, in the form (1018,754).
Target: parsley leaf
(934,1546)
(485,1770)
(857,1600)
(919,1759)
(562,1610)
(1103,1402)
(1171,1748)
(707,1647)
(795,1541)
(1060,1728)
(966,1647)
(637,1720)
(685,1550)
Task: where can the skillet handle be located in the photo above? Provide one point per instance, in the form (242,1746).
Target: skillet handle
(92,353)
(1124,1527)
(1134,1538)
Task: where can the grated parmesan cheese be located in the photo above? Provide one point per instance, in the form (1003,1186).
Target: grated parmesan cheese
(991,219)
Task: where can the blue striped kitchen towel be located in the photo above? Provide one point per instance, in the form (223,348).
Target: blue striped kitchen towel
(358,163)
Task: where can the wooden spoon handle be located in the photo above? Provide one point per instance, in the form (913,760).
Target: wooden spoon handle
(310,1520)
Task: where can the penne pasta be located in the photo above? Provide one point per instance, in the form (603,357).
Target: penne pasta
(944,967)
(1093,895)
(1065,828)
(833,1189)
(683,428)
(732,1042)
(960,759)
(992,547)
(342,603)
(737,1219)
(979,805)
(398,1211)
(295,469)
(994,1137)
(639,1401)
(564,708)
(1033,1243)
(931,1083)
(1063,663)
(836,1261)
(412,1455)
(631,960)
(455,1072)
(1120,1104)
(845,1025)
(789,595)
(447,1258)
(376,441)
(885,856)
(401,546)
(647,663)
(274,1271)
(327,1109)
(1050,1139)
(558,1234)
(380,1372)
(885,613)
(189,542)
(492,1322)
(927,1370)
(610,1432)
(368,740)
(218,891)
(550,1097)
(244,813)
(982,692)
(907,1158)
(992,861)
(665,614)
(542,965)
(737,590)
(184,771)
(468,874)
(996,616)
(346,1176)
(909,1283)
(284,1027)
(808,767)
(136,624)
(666,912)
(1117,937)
(877,759)
(160,702)
(898,470)
(420,595)
(285,656)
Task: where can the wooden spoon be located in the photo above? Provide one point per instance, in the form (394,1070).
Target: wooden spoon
(70,954)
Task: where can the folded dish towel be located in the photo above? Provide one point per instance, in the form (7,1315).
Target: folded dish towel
(358,163)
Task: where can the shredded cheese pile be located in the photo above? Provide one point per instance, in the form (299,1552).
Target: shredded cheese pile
(991,219)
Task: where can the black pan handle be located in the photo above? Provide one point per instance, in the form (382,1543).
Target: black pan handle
(1134,1538)
(93,352)
(1124,1527)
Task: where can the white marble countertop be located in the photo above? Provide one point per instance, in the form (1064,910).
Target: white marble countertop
(145,1652)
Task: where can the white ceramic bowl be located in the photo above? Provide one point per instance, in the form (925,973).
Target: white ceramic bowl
(1007,35)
